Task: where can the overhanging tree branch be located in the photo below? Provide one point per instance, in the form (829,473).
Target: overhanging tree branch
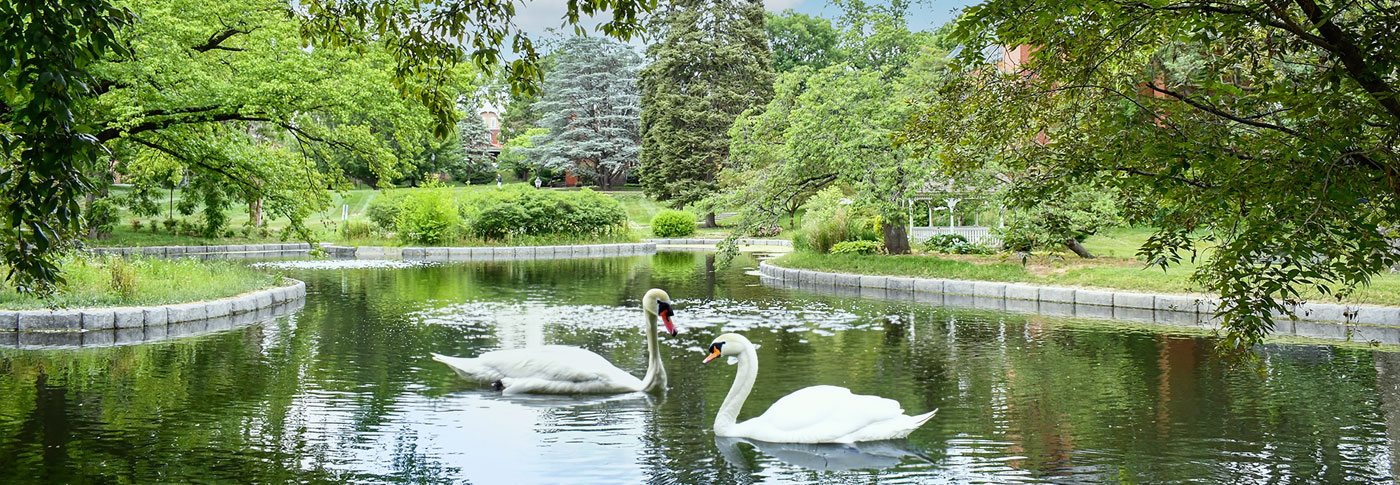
(1222,113)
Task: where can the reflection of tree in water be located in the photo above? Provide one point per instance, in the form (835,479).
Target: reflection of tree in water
(140,413)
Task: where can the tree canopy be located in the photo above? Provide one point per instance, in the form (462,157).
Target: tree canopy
(801,40)
(1263,131)
(836,125)
(254,93)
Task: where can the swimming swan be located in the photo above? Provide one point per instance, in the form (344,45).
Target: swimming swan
(817,414)
(561,369)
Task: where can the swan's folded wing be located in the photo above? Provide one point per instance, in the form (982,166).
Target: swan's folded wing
(828,411)
(553,362)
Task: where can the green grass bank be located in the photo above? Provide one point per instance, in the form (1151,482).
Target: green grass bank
(105,281)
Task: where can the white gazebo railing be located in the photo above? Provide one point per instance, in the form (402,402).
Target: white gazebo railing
(974,234)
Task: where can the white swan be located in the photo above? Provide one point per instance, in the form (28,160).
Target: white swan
(560,369)
(817,414)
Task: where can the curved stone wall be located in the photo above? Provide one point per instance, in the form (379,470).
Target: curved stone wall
(211,252)
(117,318)
(1347,322)
(742,241)
(492,253)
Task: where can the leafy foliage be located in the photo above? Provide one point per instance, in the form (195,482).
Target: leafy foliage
(689,101)
(1265,128)
(429,43)
(227,87)
(518,211)
(800,40)
(384,210)
(593,112)
(46,50)
(857,247)
(836,126)
(673,223)
(954,244)
(831,220)
(428,215)
(513,154)
(1059,221)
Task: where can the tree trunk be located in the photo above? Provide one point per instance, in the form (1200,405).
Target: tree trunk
(792,219)
(1078,248)
(255,212)
(710,220)
(896,238)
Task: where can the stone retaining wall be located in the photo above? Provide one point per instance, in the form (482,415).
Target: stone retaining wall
(210,252)
(119,318)
(742,241)
(143,334)
(490,253)
(1362,323)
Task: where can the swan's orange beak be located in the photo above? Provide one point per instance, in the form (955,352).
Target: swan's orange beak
(714,352)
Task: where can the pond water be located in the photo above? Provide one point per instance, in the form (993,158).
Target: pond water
(345,390)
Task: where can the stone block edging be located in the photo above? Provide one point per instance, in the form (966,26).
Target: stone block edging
(248,250)
(491,253)
(743,241)
(83,319)
(1204,307)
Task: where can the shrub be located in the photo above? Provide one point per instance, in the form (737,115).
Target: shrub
(856,247)
(528,212)
(427,216)
(673,223)
(954,244)
(383,211)
(102,216)
(831,220)
(170,224)
(356,230)
(770,230)
(136,224)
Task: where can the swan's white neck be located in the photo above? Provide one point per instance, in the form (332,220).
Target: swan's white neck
(728,415)
(655,378)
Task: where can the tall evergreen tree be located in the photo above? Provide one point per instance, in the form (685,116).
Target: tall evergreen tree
(711,64)
(593,112)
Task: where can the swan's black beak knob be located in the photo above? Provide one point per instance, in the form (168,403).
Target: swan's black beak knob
(663,310)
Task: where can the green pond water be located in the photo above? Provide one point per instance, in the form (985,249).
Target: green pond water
(345,391)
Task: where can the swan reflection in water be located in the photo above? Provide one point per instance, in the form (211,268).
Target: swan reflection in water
(866,455)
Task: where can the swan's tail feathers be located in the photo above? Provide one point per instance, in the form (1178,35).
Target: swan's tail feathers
(924,418)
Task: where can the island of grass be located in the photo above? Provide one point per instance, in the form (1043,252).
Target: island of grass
(92,281)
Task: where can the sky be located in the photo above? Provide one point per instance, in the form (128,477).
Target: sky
(536,17)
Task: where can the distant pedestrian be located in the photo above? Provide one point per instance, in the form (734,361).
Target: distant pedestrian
(537,182)
(498,180)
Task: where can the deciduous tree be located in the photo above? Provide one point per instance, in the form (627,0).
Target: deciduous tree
(1265,129)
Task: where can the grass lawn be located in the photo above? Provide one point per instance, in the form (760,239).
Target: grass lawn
(1119,273)
(326,224)
(101,281)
